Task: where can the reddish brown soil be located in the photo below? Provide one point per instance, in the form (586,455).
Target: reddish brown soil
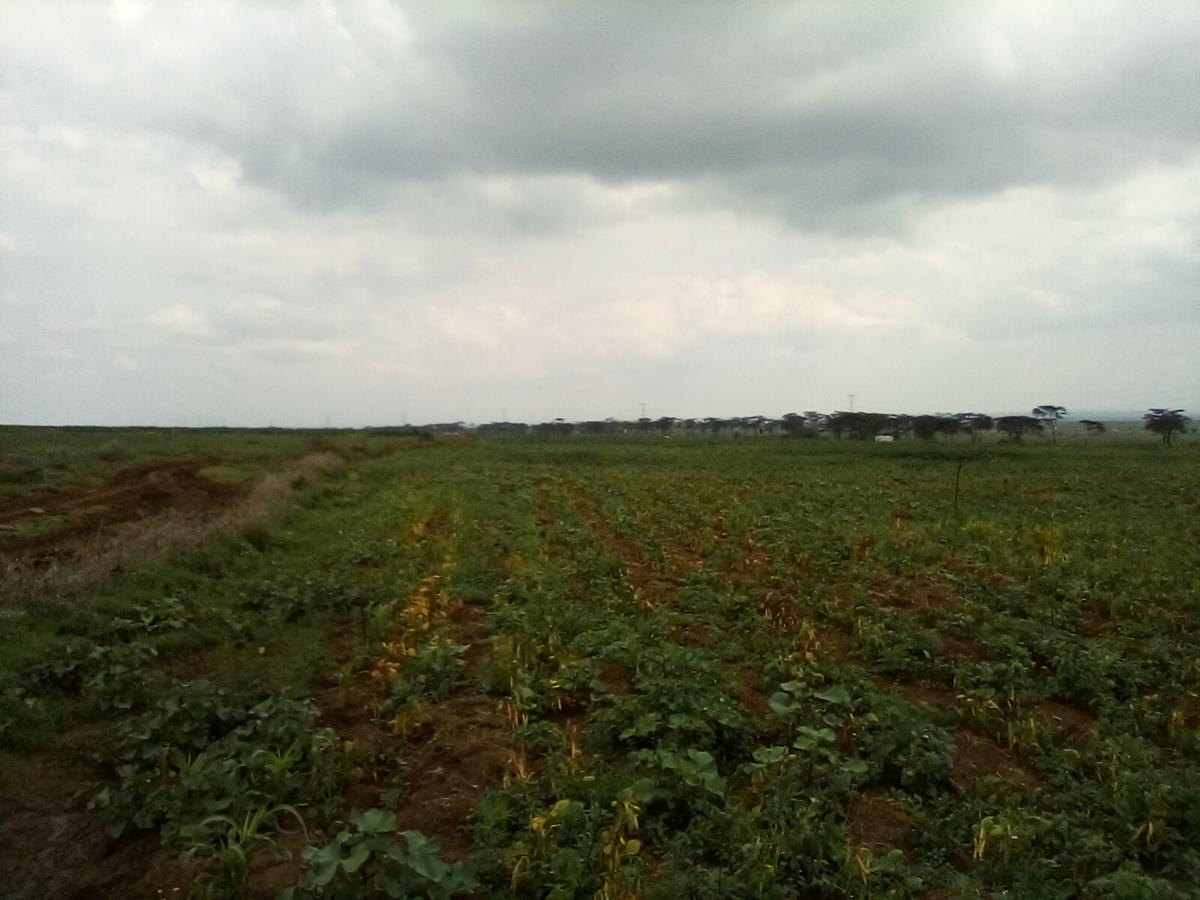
(146,512)
(273,872)
(1095,623)
(931,694)
(53,845)
(132,494)
(1076,724)
(916,594)
(781,610)
(690,635)
(875,822)
(1189,711)
(616,678)
(470,629)
(754,700)
(976,756)
(650,585)
(446,761)
(963,647)
(836,645)
(445,774)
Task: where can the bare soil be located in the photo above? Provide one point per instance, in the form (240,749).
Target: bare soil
(133,494)
(1076,724)
(976,756)
(927,693)
(754,700)
(875,822)
(51,843)
(916,595)
(955,645)
(143,512)
(444,763)
(651,586)
(616,678)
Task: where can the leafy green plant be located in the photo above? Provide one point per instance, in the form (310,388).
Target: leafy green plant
(202,753)
(430,674)
(910,750)
(1130,883)
(695,768)
(162,614)
(367,860)
(234,844)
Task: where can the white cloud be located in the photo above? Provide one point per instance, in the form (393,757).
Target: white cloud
(181,320)
(720,207)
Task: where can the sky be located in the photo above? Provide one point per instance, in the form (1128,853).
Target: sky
(363,213)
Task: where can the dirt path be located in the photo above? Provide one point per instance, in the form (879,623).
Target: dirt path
(132,494)
(144,512)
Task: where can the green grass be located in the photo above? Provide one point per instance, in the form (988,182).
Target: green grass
(38,459)
(734,668)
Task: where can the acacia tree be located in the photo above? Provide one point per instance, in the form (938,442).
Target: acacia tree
(1016,426)
(925,427)
(949,426)
(1050,413)
(794,425)
(976,424)
(1092,426)
(1166,423)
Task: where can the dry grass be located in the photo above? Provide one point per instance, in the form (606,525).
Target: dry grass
(85,561)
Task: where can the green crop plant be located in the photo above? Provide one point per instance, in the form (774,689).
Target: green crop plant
(234,844)
(368,860)
(803,596)
(620,848)
(1005,835)
(202,752)
(910,750)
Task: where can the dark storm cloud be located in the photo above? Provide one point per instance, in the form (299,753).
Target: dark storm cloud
(830,115)
(823,115)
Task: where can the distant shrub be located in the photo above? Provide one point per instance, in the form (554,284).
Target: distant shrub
(258,535)
(20,470)
(113,451)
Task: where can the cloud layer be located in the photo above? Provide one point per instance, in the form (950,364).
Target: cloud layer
(287,212)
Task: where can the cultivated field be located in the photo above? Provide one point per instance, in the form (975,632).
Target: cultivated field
(240,663)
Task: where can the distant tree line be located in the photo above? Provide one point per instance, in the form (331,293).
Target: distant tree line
(849,425)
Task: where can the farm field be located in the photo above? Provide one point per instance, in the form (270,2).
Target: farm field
(371,665)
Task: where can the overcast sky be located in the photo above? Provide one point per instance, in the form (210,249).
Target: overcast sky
(358,213)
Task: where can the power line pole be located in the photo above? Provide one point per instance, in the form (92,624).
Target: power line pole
(850,397)
(643,410)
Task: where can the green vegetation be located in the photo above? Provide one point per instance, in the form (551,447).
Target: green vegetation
(636,667)
(36,459)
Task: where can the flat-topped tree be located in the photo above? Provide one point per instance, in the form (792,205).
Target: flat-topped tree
(1092,426)
(1166,423)
(794,424)
(1050,413)
(1016,426)
(976,424)
(926,427)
